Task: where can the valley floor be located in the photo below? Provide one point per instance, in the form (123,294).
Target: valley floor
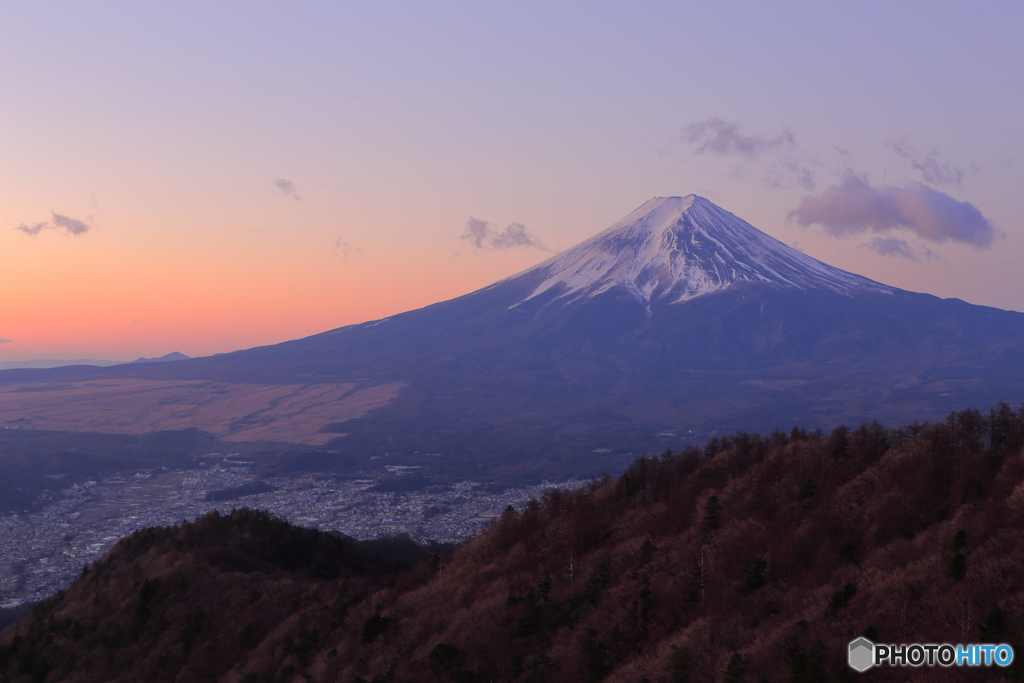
(44,551)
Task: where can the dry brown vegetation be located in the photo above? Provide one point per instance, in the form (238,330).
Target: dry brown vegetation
(233,411)
(756,558)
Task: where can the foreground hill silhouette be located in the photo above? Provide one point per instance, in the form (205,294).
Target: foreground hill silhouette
(756,558)
(679,319)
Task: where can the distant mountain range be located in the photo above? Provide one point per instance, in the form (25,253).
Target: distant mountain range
(43,363)
(55,363)
(166,358)
(679,322)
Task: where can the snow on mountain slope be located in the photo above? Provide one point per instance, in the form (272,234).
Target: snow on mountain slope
(682,248)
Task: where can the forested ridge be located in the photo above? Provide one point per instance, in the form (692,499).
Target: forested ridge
(754,558)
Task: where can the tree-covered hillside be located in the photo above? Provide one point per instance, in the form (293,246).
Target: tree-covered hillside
(755,558)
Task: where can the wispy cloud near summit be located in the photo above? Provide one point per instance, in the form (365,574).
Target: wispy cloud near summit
(894,246)
(720,137)
(933,169)
(778,156)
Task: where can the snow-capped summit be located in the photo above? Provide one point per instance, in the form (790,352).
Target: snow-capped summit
(682,248)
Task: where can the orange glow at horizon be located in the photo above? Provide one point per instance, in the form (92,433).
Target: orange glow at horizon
(92,300)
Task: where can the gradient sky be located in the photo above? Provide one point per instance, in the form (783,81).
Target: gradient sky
(204,177)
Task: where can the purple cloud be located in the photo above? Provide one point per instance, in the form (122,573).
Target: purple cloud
(720,137)
(71,226)
(854,206)
(345,251)
(5,341)
(783,164)
(892,246)
(928,164)
(481,235)
(789,173)
(287,188)
(33,229)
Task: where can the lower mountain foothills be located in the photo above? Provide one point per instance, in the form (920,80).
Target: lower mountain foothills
(755,558)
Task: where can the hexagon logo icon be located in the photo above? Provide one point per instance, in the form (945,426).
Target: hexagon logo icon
(861,654)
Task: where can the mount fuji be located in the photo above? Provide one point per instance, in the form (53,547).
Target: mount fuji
(679,322)
(682,248)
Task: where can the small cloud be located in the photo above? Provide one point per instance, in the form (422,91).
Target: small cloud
(138,321)
(928,164)
(476,232)
(5,341)
(892,246)
(287,187)
(33,229)
(854,206)
(788,173)
(782,162)
(481,235)
(71,226)
(345,251)
(720,137)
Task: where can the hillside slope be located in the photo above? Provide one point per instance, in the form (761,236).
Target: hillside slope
(757,558)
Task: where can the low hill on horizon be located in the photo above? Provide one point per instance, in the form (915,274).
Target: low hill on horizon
(44,363)
(755,558)
(166,358)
